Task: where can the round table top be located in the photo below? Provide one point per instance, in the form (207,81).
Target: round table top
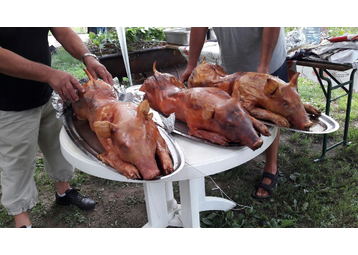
(200,159)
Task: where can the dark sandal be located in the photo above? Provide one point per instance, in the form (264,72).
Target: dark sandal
(268,187)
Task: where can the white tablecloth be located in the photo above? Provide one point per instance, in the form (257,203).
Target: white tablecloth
(210,51)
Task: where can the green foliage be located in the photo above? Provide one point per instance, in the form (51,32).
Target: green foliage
(5,219)
(338,31)
(65,62)
(134,35)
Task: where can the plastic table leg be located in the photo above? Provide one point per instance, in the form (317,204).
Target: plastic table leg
(193,201)
(160,203)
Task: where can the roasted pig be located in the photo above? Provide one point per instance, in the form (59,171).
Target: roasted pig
(127,132)
(264,96)
(210,113)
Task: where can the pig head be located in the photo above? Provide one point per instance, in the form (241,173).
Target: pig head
(210,113)
(132,142)
(264,96)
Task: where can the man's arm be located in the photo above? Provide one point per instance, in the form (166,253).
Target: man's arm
(269,40)
(76,47)
(197,39)
(17,66)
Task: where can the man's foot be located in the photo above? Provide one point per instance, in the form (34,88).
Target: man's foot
(73,197)
(264,187)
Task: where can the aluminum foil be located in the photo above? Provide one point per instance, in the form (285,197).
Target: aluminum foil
(58,104)
(124,95)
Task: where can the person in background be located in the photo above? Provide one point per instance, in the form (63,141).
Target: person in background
(96,30)
(92,29)
(251,49)
(27,118)
(101,30)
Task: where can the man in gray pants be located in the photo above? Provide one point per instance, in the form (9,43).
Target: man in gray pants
(251,49)
(27,118)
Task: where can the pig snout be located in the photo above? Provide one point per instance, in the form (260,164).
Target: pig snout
(138,148)
(142,157)
(257,145)
(300,120)
(133,144)
(305,125)
(239,128)
(148,170)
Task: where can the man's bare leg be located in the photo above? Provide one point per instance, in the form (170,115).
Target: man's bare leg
(22,219)
(271,164)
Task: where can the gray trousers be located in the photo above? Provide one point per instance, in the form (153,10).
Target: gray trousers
(20,134)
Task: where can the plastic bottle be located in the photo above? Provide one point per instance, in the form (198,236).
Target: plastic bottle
(313,35)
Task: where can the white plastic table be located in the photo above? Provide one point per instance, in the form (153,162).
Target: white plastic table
(200,160)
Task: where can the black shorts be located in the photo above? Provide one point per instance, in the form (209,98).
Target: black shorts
(282,72)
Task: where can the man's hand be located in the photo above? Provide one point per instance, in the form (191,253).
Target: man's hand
(197,40)
(97,69)
(65,84)
(74,45)
(185,76)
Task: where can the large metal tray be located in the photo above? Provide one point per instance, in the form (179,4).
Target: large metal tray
(86,140)
(322,124)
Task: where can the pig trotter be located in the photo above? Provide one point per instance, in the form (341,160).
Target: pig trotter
(212,137)
(128,170)
(310,109)
(260,127)
(263,114)
(166,165)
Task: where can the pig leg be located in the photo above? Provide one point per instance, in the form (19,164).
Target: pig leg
(164,158)
(259,126)
(263,114)
(128,170)
(166,164)
(312,110)
(213,137)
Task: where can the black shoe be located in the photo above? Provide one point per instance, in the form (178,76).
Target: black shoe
(24,226)
(75,198)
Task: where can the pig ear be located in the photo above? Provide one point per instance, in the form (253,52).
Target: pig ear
(293,81)
(155,68)
(143,109)
(88,74)
(103,129)
(149,116)
(270,88)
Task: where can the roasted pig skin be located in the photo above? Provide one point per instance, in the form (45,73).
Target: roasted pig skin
(264,96)
(210,113)
(132,142)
